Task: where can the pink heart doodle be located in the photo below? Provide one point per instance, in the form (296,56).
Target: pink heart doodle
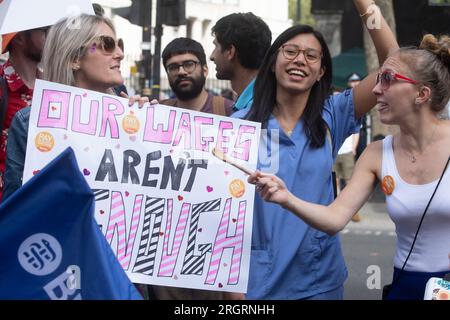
(209,189)
(86,172)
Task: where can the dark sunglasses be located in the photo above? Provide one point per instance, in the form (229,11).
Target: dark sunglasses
(387,77)
(106,43)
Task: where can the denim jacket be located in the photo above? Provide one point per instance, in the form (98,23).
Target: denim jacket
(15,152)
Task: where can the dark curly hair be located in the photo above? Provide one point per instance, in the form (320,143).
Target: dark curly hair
(248,33)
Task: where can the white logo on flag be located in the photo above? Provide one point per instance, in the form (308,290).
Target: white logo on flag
(40,254)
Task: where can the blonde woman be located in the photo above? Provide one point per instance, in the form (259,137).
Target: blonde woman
(83,53)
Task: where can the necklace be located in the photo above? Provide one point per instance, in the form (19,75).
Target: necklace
(411,155)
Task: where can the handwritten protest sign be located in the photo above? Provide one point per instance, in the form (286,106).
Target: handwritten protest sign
(173,213)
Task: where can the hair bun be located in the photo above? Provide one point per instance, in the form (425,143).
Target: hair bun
(440,47)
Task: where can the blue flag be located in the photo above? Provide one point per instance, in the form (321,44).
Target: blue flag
(51,246)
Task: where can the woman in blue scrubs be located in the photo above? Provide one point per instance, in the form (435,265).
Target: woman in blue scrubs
(412,165)
(305,129)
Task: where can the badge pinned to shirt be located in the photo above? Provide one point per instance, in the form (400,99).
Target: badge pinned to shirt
(388,185)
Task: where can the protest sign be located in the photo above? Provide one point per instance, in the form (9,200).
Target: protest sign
(172,212)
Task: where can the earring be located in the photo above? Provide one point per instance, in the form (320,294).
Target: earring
(75,68)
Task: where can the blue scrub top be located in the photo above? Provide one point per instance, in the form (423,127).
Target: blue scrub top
(245,100)
(289,259)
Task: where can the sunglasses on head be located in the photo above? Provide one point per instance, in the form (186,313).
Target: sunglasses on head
(106,43)
(386,78)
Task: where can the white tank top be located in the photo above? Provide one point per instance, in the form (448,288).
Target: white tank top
(405,207)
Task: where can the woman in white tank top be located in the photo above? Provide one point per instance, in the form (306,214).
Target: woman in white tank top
(412,91)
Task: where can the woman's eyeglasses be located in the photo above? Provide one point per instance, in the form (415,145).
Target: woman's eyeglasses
(387,77)
(188,66)
(291,51)
(106,43)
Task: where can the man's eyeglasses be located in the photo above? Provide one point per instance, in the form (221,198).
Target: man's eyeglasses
(291,51)
(387,77)
(188,66)
(106,43)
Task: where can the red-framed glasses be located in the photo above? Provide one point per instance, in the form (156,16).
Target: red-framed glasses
(387,77)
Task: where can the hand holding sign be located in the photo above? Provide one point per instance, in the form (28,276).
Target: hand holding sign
(167,214)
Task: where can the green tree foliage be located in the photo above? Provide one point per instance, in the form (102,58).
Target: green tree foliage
(305,9)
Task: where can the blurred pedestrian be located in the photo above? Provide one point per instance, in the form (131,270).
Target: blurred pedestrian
(17,78)
(345,161)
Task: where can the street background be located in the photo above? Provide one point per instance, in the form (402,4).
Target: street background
(370,242)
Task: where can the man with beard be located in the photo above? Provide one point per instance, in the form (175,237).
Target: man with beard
(241,41)
(17,77)
(185,63)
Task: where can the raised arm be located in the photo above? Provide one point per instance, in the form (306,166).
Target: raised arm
(333,218)
(384,41)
